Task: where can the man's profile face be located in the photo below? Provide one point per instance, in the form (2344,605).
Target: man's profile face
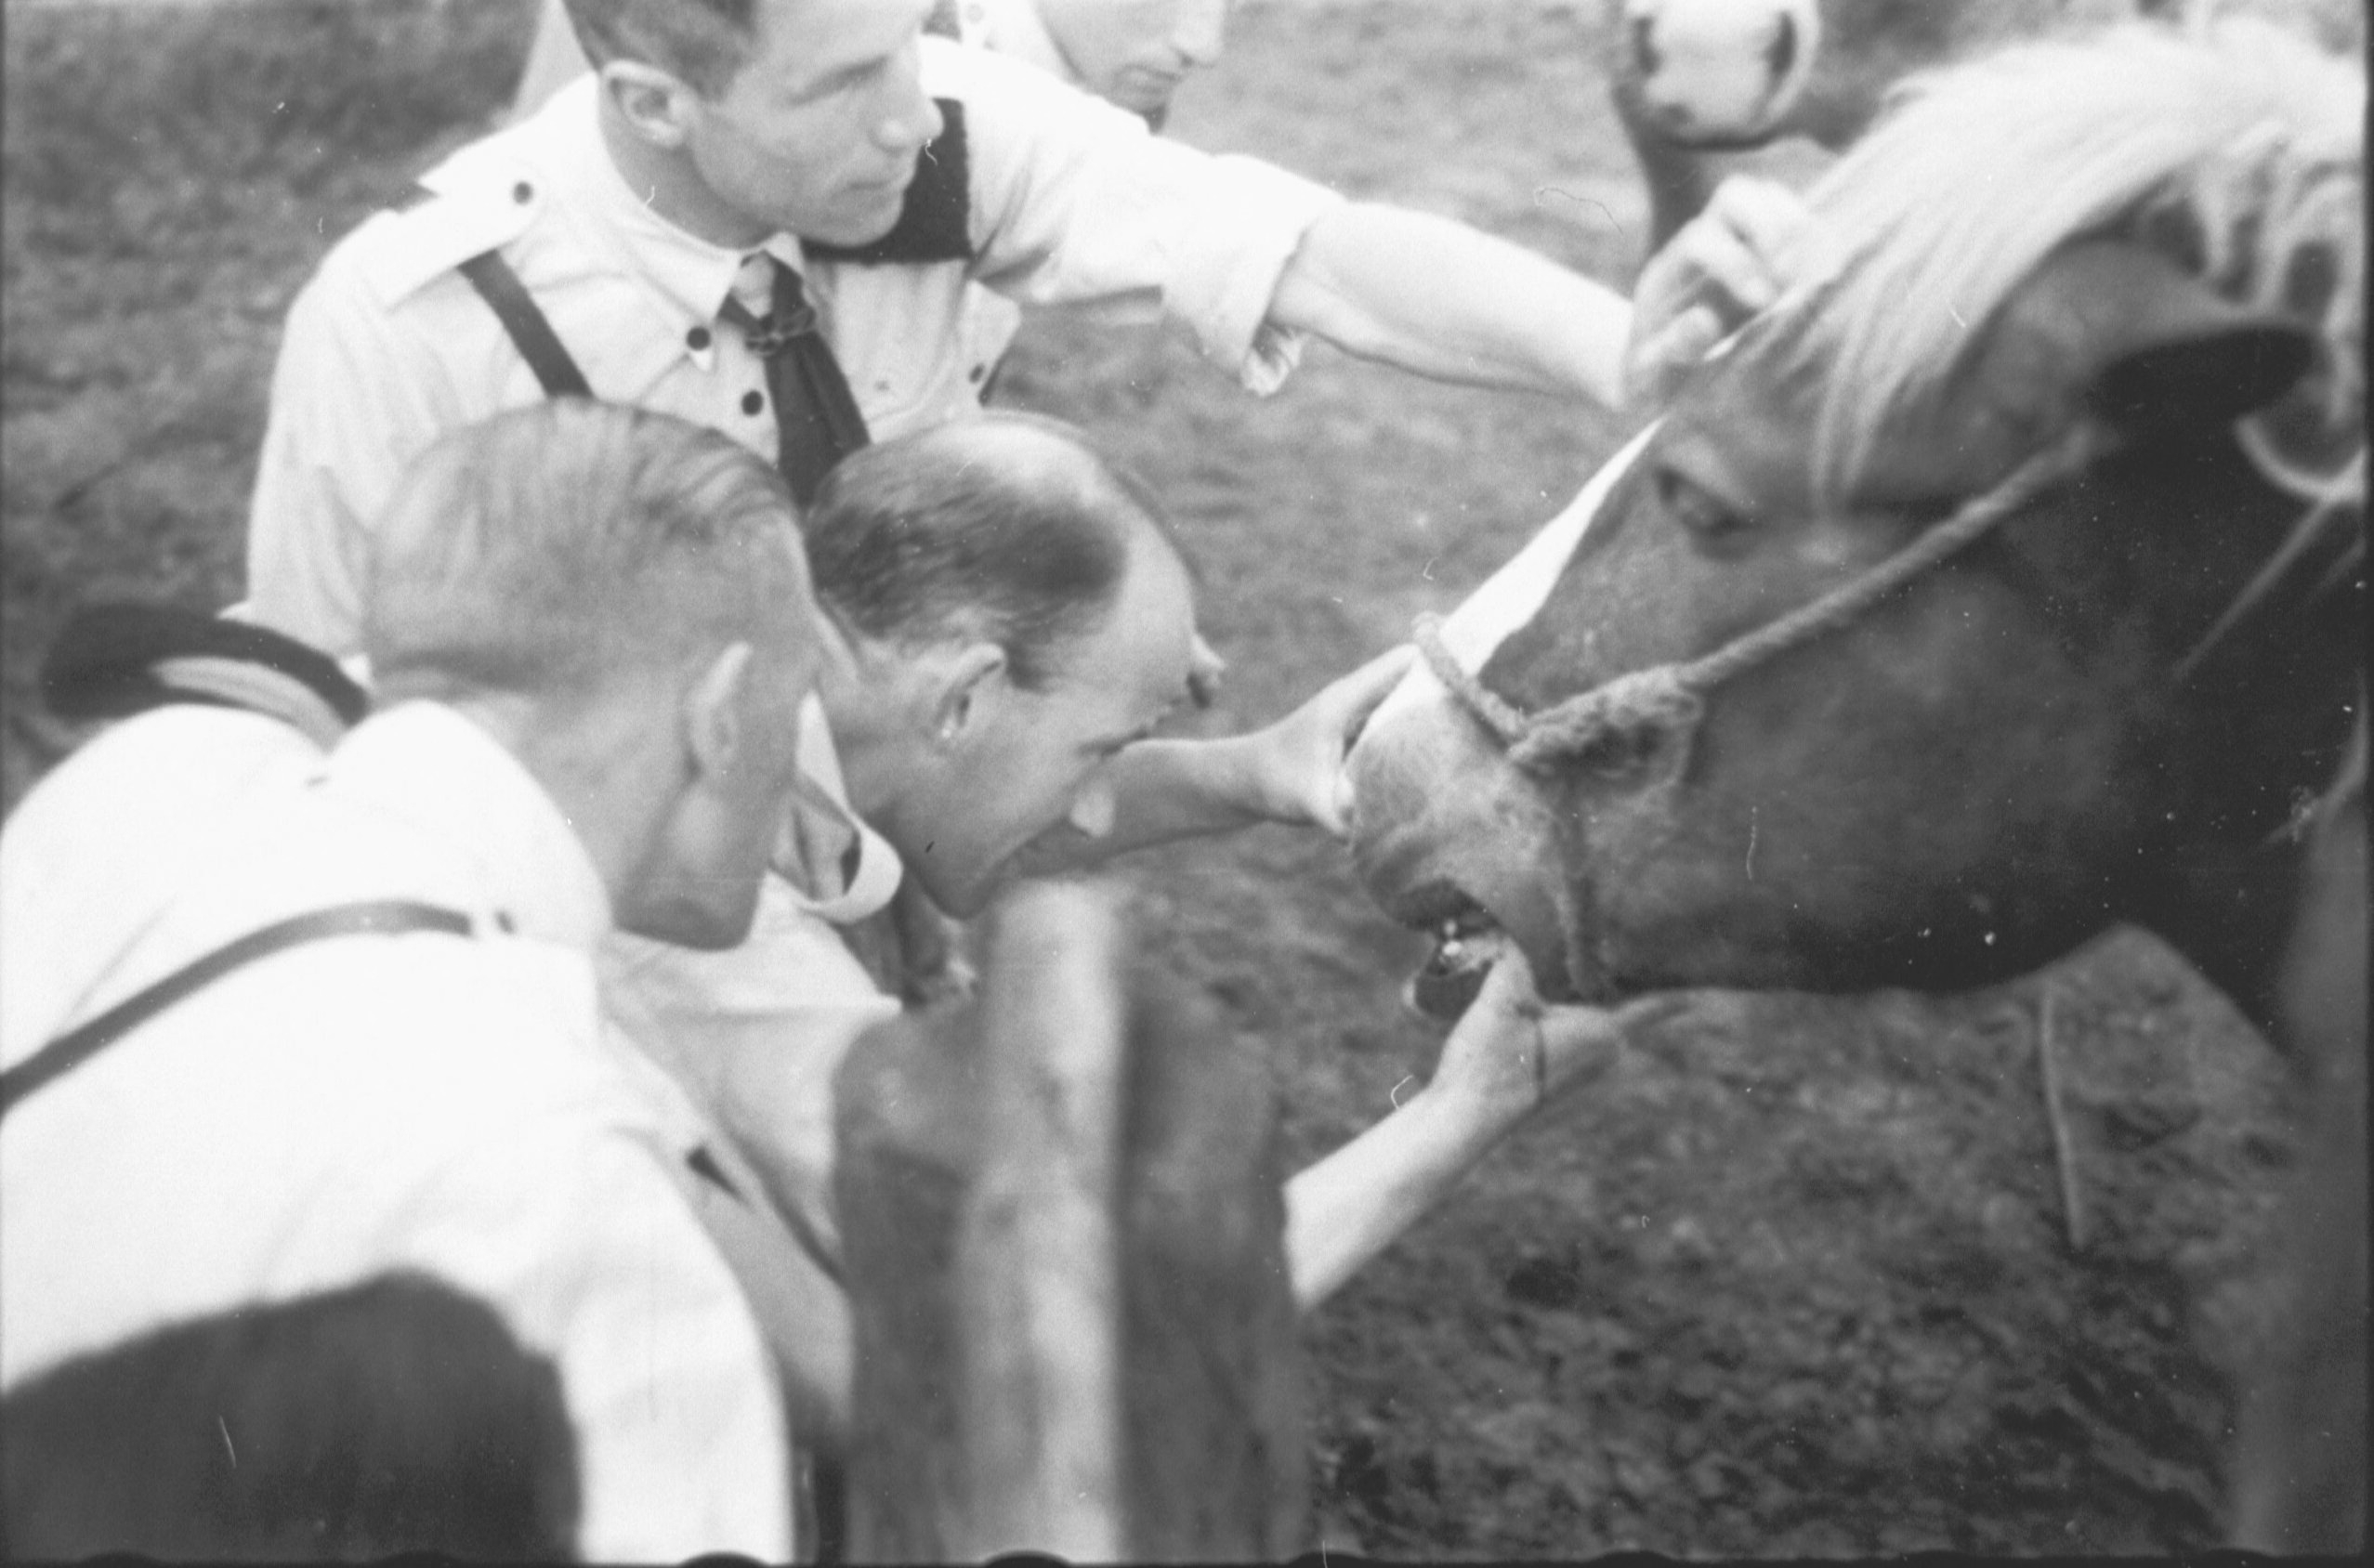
(1034,766)
(1136,52)
(817,132)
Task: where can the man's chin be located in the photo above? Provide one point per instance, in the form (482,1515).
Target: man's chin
(1142,90)
(957,899)
(862,223)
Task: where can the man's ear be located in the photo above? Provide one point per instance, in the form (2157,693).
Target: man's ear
(656,104)
(968,682)
(713,707)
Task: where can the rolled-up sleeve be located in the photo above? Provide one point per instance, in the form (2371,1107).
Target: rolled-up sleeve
(1074,200)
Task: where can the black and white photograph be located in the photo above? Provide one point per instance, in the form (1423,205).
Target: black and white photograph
(897,781)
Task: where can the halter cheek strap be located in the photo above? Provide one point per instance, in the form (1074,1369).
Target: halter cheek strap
(1644,712)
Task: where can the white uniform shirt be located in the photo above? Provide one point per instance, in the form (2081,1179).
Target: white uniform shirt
(756,1032)
(387,347)
(127,816)
(340,1110)
(1014,29)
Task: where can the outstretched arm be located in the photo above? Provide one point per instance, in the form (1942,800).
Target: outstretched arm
(1434,297)
(1157,791)
(1447,301)
(1508,1057)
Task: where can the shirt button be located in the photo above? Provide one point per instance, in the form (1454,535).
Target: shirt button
(978,372)
(752,402)
(523,193)
(697,338)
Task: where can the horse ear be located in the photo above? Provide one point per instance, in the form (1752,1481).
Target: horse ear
(2154,348)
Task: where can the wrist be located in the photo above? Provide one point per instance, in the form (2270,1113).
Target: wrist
(1256,778)
(1460,1119)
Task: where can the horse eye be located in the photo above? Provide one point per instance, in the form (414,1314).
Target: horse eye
(1706,515)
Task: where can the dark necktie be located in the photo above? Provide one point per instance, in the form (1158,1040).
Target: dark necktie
(816,422)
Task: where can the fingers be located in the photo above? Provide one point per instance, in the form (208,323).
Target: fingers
(1341,710)
(1578,1045)
(1721,262)
(1754,241)
(1658,365)
(1371,684)
(1769,218)
(1508,990)
(1204,669)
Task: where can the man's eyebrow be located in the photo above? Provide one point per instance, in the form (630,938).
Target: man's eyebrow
(845,75)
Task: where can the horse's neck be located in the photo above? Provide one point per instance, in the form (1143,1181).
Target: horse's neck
(2266,723)
(2268,921)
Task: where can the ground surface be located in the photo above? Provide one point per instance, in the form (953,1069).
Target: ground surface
(1799,1278)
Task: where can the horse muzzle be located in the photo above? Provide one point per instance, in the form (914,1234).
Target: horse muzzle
(1450,840)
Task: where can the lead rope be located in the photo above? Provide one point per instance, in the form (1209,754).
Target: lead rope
(1628,715)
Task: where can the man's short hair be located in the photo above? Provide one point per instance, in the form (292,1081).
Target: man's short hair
(702,42)
(570,544)
(1009,529)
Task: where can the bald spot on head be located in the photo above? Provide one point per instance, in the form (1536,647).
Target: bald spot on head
(1010,527)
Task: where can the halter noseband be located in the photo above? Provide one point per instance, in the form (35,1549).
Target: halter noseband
(1625,718)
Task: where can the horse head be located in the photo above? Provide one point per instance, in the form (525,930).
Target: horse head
(1938,608)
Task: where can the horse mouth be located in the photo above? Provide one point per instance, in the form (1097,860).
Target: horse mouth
(1468,941)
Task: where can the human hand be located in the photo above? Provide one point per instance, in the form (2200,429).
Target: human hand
(1729,262)
(1299,759)
(1204,669)
(1510,1054)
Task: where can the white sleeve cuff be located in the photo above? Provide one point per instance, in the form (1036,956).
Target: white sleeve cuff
(1233,247)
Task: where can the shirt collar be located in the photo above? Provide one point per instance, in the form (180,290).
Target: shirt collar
(821,884)
(689,274)
(426,765)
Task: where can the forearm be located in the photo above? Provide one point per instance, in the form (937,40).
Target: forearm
(1439,298)
(1166,789)
(1352,1205)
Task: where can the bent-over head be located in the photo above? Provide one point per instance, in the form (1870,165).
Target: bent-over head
(1020,614)
(620,597)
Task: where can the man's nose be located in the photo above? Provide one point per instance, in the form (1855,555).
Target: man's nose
(912,118)
(1091,809)
(1202,30)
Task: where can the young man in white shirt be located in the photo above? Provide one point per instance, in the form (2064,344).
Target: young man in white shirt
(1134,54)
(708,155)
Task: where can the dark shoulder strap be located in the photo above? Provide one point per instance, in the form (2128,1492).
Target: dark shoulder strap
(104,663)
(530,332)
(69,1051)
(524,320)
(935,222)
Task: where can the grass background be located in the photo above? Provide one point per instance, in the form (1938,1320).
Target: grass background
(1795,1281)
